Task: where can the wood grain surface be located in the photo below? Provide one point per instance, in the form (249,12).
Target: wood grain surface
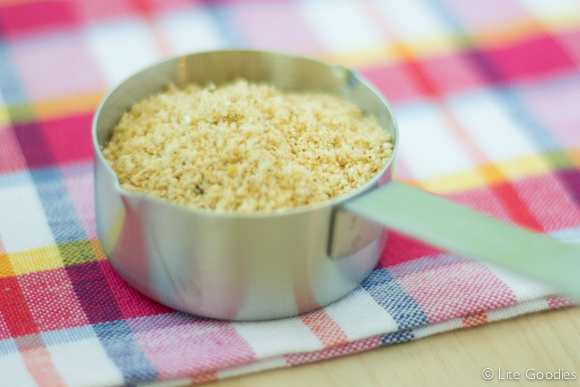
(545,341)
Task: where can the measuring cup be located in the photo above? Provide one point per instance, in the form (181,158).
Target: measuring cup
(266,265)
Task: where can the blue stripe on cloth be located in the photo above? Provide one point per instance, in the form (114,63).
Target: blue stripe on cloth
(539,135)
(8,346)
(93,292)
(69,335)
(58,206)
(120,345)
(223,18)
(387,292)
(114,334)
(10,88)
(397,337)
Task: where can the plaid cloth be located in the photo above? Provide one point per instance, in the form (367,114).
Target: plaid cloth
(486,94)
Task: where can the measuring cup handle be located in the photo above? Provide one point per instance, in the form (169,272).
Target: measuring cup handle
(453,227)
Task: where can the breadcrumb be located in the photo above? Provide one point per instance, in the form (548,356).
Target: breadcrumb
(245,147)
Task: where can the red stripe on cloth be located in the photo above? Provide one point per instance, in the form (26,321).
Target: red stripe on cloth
(340,350)
(142,6)
(6,270)
(41,368)
(14,308)
(395,82)
(52,287)
(483,200)
(132,303)
(518,210)
(216,345)
(204,378)
(35,16)
(324,328)
(91,10)
(555,302)
(401,248)
(474,319)
(456,290)
(530,58)
(452,73)
(423,80)
(154,7)
(69,139)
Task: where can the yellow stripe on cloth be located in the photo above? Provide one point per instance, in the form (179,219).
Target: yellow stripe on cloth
(49,110)
(33,260)
(5,266)
(484,175)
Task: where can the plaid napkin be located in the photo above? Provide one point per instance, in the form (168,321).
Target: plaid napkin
(486,94)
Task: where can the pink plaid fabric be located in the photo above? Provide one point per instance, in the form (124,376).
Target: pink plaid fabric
(486,96)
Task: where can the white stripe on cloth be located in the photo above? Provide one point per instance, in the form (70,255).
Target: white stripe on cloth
(190,30)
(341,26)
(94,368)
(427,145)
(121,48)
(525,289)
(278,337)
(492,128)
(412,21)
(13,372)
(360,316)
(24,225)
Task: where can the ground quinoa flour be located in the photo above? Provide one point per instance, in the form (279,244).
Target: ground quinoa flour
(245,147)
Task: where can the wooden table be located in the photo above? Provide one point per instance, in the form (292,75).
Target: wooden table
(545,341)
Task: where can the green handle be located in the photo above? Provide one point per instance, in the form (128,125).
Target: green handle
(453,227)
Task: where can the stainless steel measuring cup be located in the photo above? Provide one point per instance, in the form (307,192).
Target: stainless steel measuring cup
(275,264)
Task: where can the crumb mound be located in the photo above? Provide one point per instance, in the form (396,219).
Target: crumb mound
(245,147)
